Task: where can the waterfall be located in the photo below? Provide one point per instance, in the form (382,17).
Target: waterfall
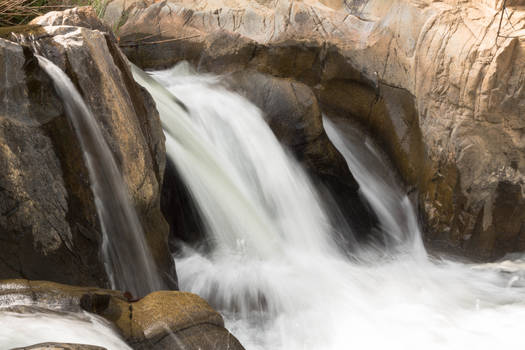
(127,259)
(259,200)
(274,269)
(377,183)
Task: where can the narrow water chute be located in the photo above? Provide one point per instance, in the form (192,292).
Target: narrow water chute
(127,257)
(279,279)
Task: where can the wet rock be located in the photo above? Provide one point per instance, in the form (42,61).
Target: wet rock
(160,320)
(79,17)
(431,80)
(48,222)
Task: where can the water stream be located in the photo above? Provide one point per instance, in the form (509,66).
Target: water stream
(380,187)
(127,258)
(19,330)
(274,269)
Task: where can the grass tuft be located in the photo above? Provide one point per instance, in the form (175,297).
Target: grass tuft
(19,12)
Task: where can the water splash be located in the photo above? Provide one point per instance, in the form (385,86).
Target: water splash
(20,330)
(126,254)
(275,271)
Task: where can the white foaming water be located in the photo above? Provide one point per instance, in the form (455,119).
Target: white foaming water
(274,269)
(20,330)
(126,255)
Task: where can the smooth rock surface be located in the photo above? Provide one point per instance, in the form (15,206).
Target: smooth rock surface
(432,80)
(293,113)
(48,222)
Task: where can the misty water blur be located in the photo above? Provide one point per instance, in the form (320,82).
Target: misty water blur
(20,330)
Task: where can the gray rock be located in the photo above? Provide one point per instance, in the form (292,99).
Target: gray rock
(293,113)
(160,320)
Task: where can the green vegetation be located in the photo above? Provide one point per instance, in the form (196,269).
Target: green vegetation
(18,12)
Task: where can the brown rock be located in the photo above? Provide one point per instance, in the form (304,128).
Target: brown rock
(431,80)
(48,222)
(294,115)
(161,320)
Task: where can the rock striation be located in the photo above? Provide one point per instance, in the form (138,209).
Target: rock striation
(439,83)
(48,222)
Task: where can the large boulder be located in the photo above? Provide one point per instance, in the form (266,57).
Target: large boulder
(48,221)
(438,83)
(293,113)
(180,210)
(161,320)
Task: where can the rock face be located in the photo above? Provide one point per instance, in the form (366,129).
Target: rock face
(48,222)
(161,320)
(432,80)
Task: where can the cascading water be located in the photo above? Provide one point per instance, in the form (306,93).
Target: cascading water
(273,268)
(20,330)
(126,254)
(378,186)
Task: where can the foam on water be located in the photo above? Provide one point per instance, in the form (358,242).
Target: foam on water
(274,269)
(20,330)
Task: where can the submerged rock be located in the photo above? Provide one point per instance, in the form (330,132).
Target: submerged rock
(431,80)
(48,222)
(161,320)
